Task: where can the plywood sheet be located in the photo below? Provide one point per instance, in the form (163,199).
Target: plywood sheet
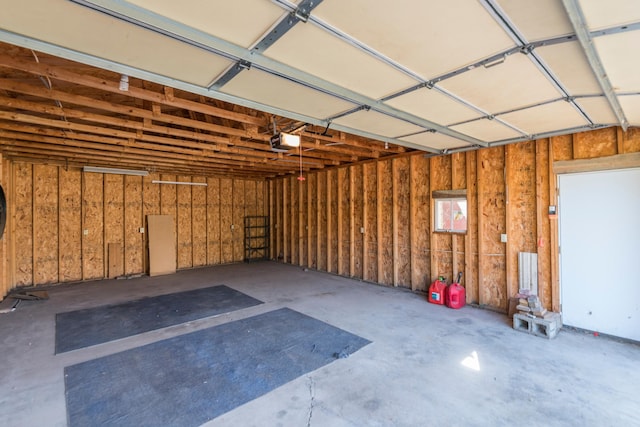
(113,211)
(344,222)
(597,108)
(226,220)
(303,225)
(185,248)
(162,245)
(420,223)
(631,107)
(150,206)
(70,243)
(93,248)
(357,208)
(115,266)
(470,279)
(402,221)
(620,66)
(385,223)
(364,21)
(213,221)
(370,207)
(332,220)
(589,145)
(600,14)
(562,147)
(294,218)
(543,223)
(23,223)
(268,89)
(238,220)
(45,224)
(133,221)
(312,219)
(631,141)
(322,221)
(570,65)
(199,222)
(337,61)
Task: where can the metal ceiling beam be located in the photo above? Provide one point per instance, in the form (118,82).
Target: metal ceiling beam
(578,21)
(162,25)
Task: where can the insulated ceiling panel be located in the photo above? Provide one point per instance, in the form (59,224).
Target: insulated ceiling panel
(545,118)
(435,140)
(487,130)
(428,37)
(374,122)
(433,105)
(631,106)
(598,109)
(241,22)
(619,60)
(602,14)
(570,66)
(538,20)
(512,84)
(311,49)
(271,90)
(81,29)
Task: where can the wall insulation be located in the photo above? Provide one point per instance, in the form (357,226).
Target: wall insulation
(373,221)
(61,223)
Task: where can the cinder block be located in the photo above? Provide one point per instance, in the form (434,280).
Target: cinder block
(522,323)
(546,328)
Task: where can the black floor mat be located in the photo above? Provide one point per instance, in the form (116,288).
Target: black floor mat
(191,379)
(91,326)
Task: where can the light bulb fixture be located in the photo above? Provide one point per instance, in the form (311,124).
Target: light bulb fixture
(124,83)
(283,142)
(203,184)
(115,171)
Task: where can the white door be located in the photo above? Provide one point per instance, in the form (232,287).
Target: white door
(600,251)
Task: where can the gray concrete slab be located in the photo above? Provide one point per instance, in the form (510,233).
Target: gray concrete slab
(427,365)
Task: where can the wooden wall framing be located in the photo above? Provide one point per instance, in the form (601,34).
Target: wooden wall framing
(61,222)
(372,221)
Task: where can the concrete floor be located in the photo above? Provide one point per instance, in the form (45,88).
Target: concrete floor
(411,375)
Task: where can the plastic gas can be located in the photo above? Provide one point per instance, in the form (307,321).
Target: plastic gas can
(455,294)
(436,291)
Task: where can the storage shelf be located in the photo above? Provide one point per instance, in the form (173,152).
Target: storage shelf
(256,238)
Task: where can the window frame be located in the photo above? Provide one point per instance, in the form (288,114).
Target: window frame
(449,196)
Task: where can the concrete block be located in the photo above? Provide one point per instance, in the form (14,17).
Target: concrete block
(546,328)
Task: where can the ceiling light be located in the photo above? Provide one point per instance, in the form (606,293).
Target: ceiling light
(283,142)
(204,184)
(124,83)
(116,171)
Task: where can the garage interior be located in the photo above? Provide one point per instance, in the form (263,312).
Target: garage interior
(143,156)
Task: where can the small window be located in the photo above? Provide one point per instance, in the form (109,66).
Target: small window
(450,212)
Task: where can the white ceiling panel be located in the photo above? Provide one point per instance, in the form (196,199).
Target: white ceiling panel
(622,64)
(433,105)
(265,88)
(487,130)
(313,50)
(598,109)
(429,37)
(538,20)
(631,107)
(435,140)
(570,66)
(81,29)
(603,14)
(545,118)
(242,22)
(374,122)
(512,84)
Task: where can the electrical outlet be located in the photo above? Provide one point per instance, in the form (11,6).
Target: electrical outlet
(142,230)
(361,230)
(85,232)
(232,226)
(503,238)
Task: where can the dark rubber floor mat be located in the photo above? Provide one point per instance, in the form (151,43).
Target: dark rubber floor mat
(91,326)
(193,378)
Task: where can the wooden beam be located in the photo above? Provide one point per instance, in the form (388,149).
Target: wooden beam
(618,161)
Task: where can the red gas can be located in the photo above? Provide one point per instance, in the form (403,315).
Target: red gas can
(455,294)
(436,291)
